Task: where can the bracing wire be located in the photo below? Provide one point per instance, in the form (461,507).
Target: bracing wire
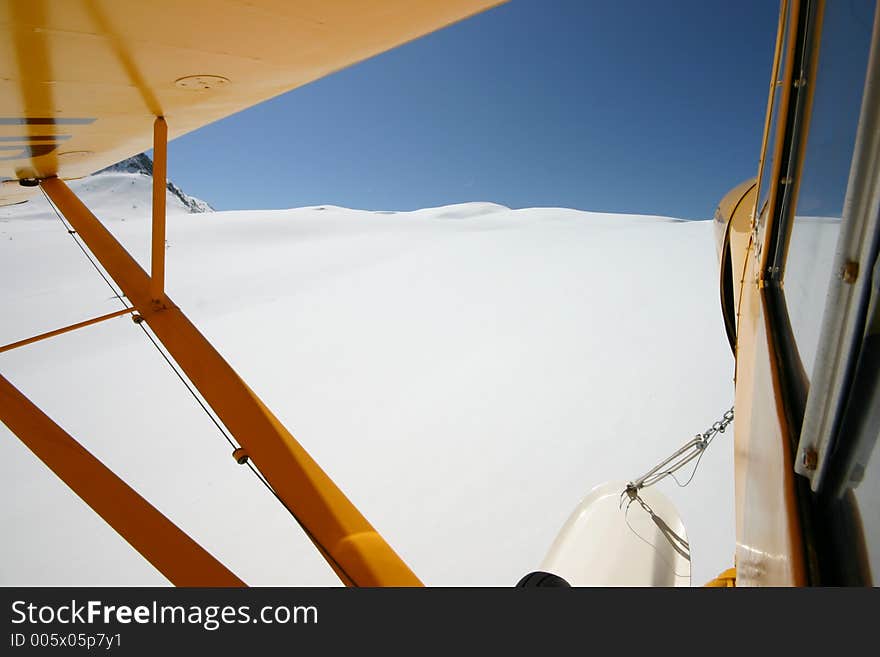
(693,472)
(308,533)
(88,256)
(189,388)
(653,546)
(196,397)
(250,465)
(119,296)
(693,449)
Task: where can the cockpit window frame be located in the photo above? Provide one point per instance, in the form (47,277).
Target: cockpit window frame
(813,443)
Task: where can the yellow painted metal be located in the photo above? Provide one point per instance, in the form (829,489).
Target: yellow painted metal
(779,114)
(741,238)
(769,540)
(81,82)
(66,329)
(726,580)
(349,543)
(177,556)
(768,532)
(770,545)
(160,169)
(809,86)
(774,81)
(732,224)
(741,196)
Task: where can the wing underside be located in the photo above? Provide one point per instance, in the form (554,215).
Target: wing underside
(81,81)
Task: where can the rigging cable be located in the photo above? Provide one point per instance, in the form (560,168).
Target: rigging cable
(678,544)
(73,234)
(88,256)
(693,449)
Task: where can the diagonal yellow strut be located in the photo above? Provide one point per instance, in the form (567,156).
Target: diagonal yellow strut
(358,554)
(183,561)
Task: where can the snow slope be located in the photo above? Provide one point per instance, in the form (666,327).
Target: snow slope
(144,165)
(466,374)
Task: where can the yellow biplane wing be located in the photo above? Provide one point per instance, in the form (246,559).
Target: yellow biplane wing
(81,81)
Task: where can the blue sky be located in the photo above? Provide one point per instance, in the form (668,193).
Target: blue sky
(618,106)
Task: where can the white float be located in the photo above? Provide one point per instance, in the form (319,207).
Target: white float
(604,544)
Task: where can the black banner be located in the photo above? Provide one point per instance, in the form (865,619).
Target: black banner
(540,620)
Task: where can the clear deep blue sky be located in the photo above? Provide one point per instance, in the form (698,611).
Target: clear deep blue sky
(619,105)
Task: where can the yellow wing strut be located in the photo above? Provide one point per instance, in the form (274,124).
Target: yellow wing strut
(183,561)
(352,547)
